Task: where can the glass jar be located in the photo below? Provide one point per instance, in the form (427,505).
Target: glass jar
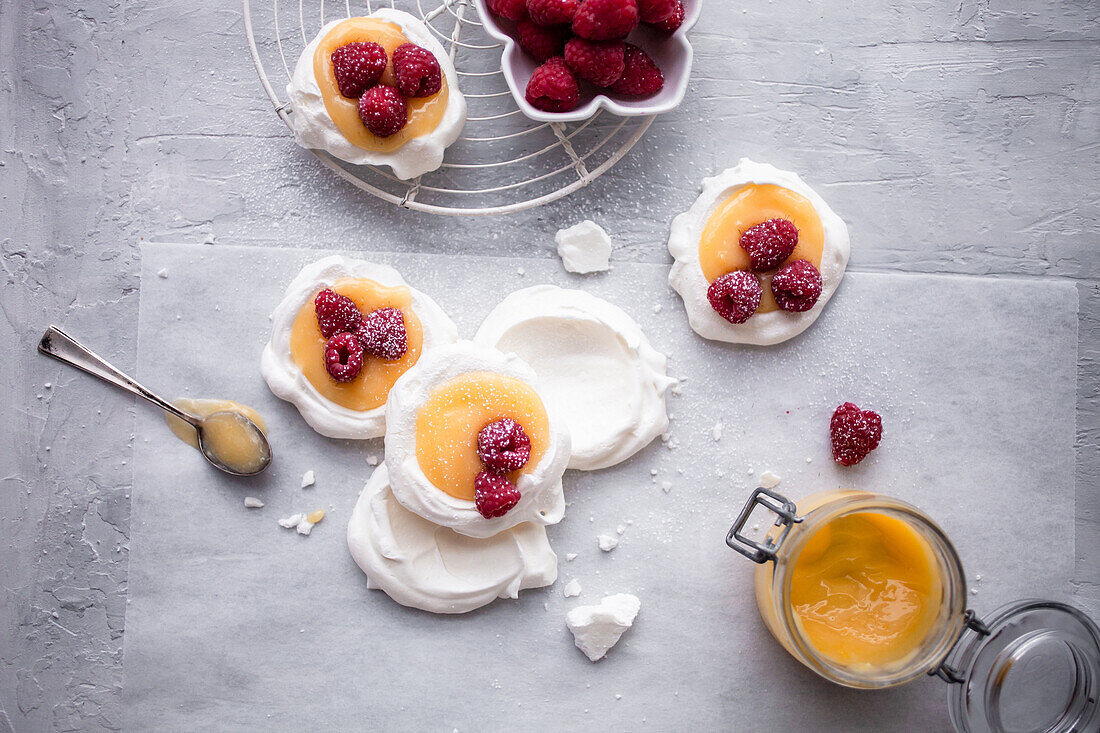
(1030,666)
(783,546)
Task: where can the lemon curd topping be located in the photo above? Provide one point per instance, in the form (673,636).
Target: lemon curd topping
(719,247)
(371,387)
(448,423)
(424,113)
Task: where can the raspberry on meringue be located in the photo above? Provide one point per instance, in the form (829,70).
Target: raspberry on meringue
(407,130)
(748,218)
(434,414)
(333,400)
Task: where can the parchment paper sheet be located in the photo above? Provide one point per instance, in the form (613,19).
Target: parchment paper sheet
(235,623)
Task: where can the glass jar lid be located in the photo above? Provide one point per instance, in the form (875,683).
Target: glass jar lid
(1030,666)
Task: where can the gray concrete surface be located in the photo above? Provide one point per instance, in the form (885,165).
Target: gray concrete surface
(954,137)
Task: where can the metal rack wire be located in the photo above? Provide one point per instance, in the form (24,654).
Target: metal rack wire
(503,162)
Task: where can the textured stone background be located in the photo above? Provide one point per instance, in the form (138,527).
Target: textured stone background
(956,136)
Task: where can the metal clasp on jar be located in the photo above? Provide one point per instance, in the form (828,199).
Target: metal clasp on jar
(762,552)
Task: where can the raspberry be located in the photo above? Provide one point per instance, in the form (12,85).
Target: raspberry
(769,243)
(494,495)
(552,12)
(553,88)
(503,446)
(383,110)
(736,295)
(655,11)
(335,313)
(854,433)
(416,70)
(382,333)
(343,357)
(600,62)
(641,77)
(541,42)
(797,286)
(605,20)
(673,22)
(510,9)
(357,67)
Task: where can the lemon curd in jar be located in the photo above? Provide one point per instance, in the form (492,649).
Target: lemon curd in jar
(450,419)
(866,590)
(720,249)
(371,387)
(424,113)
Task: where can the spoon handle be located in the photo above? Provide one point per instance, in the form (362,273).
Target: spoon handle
(63,347)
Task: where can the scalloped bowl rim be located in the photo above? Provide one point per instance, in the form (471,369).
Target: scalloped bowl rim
(513,60)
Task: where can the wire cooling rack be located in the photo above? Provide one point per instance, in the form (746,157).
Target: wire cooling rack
(503,162)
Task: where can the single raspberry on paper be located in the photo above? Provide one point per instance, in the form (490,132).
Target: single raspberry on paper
(854,433)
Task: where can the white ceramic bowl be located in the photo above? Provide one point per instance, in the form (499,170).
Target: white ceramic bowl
(672,53)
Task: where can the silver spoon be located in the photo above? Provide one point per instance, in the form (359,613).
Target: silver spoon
(63,347)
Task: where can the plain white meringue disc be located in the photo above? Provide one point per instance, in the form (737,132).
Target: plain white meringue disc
(595,367)
(285,377)
(539,482)
(433,568)
(687,279)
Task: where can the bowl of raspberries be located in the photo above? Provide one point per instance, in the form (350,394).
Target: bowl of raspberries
(565,59)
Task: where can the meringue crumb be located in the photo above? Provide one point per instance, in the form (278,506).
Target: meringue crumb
(716,432)
(620,529)
(653,472)
(607,542)
(596,629)
(520,271)
(769,480)
(809,460)
(252,502)
(570,556)
(292,521)
(584,248)
(618,697)
(666,486)
(572,589)
(162,273)
(308,479)
(303,523)
(750,471)
(372,460)
(657,308)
